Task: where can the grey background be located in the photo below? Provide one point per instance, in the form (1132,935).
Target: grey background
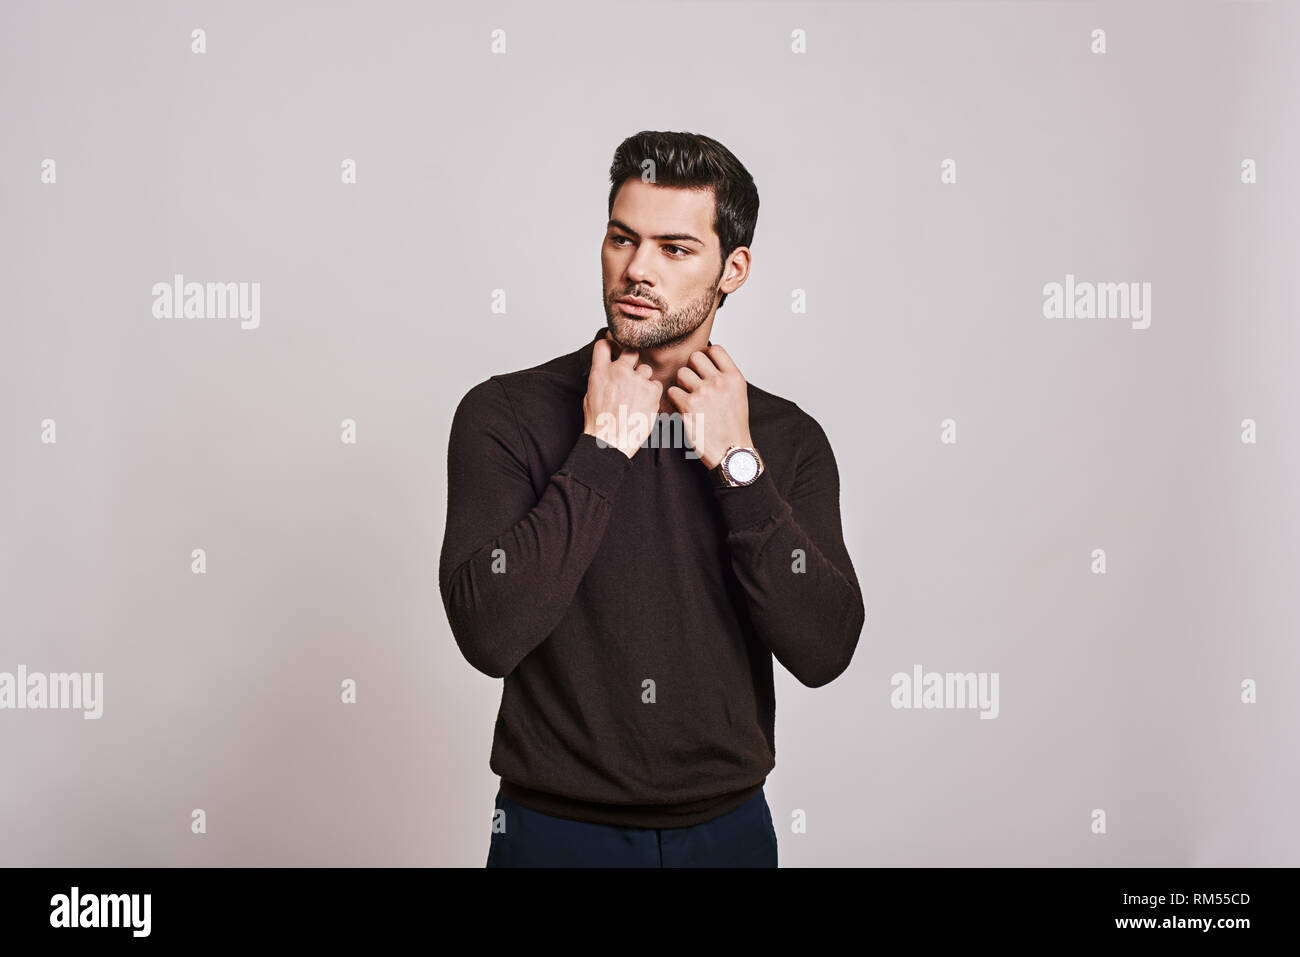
(477,172)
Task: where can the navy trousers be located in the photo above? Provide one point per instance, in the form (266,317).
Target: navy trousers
(743,837)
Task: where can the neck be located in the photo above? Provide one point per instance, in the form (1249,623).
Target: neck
(665,360)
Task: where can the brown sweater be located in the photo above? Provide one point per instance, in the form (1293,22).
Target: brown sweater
(632,608)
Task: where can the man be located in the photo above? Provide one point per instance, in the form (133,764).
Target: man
(633,532)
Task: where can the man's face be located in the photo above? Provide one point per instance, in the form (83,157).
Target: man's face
(659,246)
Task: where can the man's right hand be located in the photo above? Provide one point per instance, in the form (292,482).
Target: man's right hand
(615,383)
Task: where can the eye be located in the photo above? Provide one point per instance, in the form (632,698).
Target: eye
(682,248)
(615,239)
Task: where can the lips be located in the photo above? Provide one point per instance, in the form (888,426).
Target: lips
(636,307)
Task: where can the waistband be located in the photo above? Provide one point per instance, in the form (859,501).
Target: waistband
(629,815)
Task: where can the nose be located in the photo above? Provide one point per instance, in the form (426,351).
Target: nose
(638,267)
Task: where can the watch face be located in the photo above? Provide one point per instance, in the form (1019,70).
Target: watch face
(742,466)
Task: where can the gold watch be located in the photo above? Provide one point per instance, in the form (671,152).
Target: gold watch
(740,465)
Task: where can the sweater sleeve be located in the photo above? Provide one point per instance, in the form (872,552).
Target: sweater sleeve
(789,557)
(511,562)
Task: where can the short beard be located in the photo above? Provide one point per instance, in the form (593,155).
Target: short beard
(666,329)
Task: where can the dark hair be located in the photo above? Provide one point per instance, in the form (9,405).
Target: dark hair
(694,161)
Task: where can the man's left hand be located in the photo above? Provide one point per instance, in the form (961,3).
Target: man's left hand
(713,400)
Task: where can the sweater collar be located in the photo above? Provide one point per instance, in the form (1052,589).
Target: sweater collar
(584,357)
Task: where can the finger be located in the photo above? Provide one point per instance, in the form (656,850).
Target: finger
(688,379)
(644,371)
(628,357)
(702,364)
(721,358)
(600,353)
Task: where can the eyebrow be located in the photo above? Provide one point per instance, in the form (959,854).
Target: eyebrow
(670,237)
